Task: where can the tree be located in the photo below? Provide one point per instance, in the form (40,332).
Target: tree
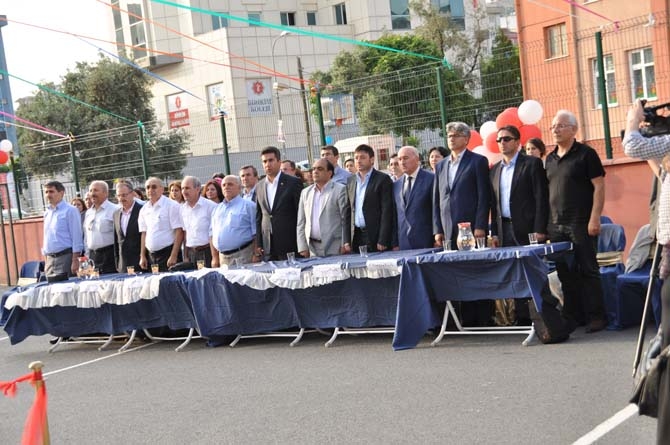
(501,76)
(106,138)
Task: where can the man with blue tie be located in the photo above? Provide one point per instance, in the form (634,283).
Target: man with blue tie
(413,193)
(462,193)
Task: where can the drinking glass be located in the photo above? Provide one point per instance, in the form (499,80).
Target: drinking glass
(154,268)
(532,239)
(363,250)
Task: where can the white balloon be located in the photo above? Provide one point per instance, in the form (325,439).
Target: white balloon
(6,145)
(480,150)
(530,112)
(487,128)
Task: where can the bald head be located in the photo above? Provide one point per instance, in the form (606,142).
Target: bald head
(409,159)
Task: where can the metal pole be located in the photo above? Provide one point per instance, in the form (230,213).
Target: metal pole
(16,184)
(305,106)
(319,114)
(143,155)
(11,231)
(602,92)
(73,159)
(4,244)
(275,87)
(224,137)
(443,105)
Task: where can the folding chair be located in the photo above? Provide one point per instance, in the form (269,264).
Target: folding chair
(611,244)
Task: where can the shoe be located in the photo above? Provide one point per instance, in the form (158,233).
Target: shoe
(570,325)
(596,325)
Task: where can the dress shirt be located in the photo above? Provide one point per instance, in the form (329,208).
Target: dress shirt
(159,221)
(198,221)
(340,175)
(62,229)
(315,231)
(233,224)
(99,225)
(506,174)
(361,187)
(125,218)
(637,146)
(452,166)
(412,182)
(271,189)
(250,194)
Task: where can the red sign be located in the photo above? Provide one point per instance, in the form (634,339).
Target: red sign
(179,118)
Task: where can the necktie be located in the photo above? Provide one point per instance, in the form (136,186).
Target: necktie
(408,188)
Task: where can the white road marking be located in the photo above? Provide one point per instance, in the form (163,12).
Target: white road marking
(608,425)
(97,359)
(4,338)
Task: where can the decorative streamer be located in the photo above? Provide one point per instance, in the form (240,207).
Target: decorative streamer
(584,8)
(37,127)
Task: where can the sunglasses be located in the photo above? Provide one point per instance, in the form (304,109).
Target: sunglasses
(505,139)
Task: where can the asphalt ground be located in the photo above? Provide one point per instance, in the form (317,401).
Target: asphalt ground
(468,390)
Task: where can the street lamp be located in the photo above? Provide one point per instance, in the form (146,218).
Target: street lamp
(275,86)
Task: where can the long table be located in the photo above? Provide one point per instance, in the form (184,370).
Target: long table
(384,289)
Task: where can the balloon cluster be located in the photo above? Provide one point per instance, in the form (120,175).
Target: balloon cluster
(5,148)
(525,118)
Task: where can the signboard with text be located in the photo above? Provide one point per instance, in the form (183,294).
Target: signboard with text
(259,97)
(177,111)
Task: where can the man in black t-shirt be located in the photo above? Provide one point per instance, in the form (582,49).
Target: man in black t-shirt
(576,198)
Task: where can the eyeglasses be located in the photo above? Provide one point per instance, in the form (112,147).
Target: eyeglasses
(560,126)
(152,186)
(505,139)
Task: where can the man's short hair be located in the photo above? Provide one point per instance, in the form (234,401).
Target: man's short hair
(55,184)
(195,181)
(253,169)
(235,178)
(217,175)
(412,149)
(365,148)
(333,149)
(572,119)
(348,160)
(123,183)
(102,184)
(511,129)
(329,165)
(271,150)
(460,128)
(291,163)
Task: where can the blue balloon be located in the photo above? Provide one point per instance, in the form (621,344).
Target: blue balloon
(329,140)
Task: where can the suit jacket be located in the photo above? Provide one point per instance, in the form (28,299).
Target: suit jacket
(468,199)
(334,218)
(415,217)
(275,228)
(529,198)
(378,207)
(127,247)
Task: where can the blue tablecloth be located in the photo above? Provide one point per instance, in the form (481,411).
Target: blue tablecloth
(512,272)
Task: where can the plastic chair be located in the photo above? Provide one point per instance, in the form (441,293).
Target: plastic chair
(29,274)
(611,244)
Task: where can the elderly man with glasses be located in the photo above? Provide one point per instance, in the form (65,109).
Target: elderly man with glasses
(576,198)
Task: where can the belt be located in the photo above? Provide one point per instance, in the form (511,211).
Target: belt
(200,248)
(156,252)
(361,229)
(243,246)
(506,220)
(101,249)
(61,253)
(314,240)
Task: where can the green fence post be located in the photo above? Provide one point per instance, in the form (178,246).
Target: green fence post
(443,105)
(224,138)
(319,114)
(602,92)
(143,155)
(73,159)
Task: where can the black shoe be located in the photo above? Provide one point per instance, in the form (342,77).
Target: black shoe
(596,325)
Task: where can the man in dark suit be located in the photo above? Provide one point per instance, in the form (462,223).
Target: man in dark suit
(126,232)
(277,200)
(372,207)
(461,193)
(520,202)
(413,193)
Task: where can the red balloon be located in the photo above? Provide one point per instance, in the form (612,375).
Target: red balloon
(510,116)
(491,143)
(475,139)
(528,132)
(4,157)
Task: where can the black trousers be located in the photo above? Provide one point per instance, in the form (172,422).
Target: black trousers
(160,257)
(582,292)
(663,425)
(104,259)
(203,253)
(362,238)
(520,305)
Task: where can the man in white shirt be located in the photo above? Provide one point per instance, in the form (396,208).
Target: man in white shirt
(161,227)
(196,214)
(99,228)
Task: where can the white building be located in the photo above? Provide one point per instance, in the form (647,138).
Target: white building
(228,61)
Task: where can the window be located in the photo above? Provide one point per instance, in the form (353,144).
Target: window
(118,24)
(340,14)
(219,22)
(556,41)
(287,18)
(138,35)
(255,16)
(311,18)
(454,9)
(610,85)
(400,14)
(642,74)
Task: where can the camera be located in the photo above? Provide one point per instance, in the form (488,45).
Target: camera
(658,125)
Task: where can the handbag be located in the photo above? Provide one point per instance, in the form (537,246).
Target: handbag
(650,372)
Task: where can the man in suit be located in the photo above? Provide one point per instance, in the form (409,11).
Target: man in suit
(126,230)
(461,193)
(413,194)
(277,199)
(249,178)
(370,192)
(324,215)
(520,203)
